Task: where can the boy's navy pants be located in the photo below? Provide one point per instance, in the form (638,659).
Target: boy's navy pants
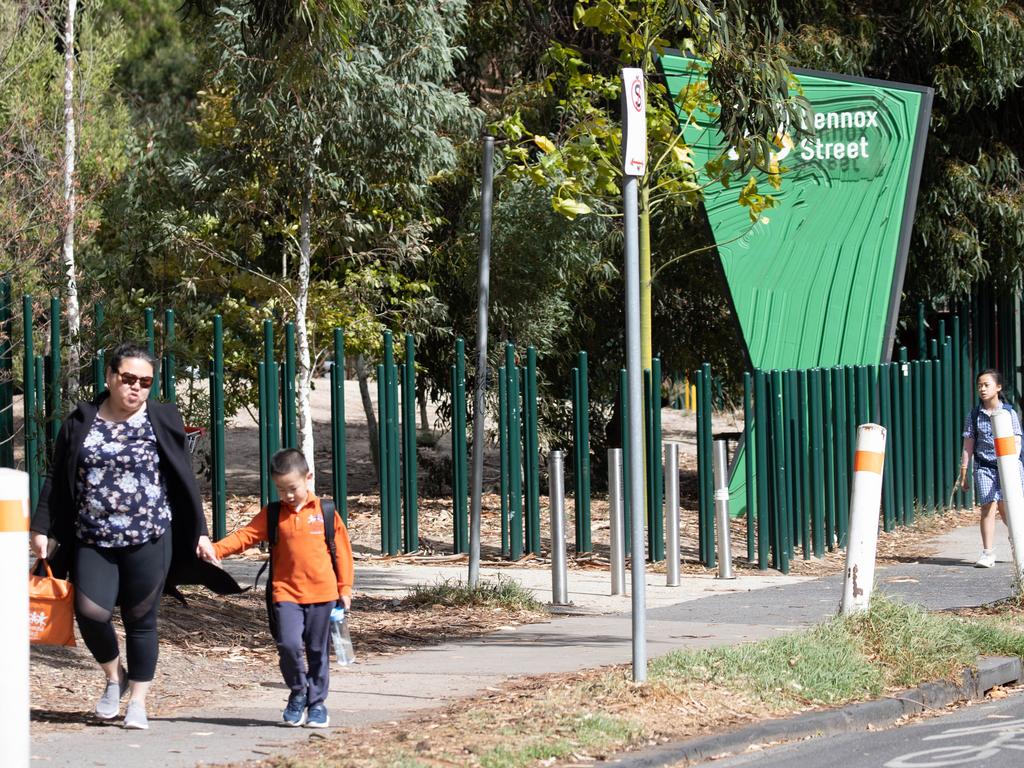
(303,638)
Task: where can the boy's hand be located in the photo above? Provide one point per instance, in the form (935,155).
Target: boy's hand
(345,601)
(204,550)
(963,477)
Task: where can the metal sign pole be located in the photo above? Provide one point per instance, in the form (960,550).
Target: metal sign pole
(634,142)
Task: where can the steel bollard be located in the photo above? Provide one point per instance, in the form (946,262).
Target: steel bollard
(865,500)
(616,523)
(1008,463)
(556,497)
(721,470)
(14,699)
(672,514)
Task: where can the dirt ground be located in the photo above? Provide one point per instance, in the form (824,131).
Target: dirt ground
(200,641)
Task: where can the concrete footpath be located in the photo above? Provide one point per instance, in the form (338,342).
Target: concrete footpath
(703,612)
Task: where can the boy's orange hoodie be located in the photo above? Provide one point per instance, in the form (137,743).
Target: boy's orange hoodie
(302,563)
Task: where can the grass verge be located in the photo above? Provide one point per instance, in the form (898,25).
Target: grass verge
(453,593)
(558,719)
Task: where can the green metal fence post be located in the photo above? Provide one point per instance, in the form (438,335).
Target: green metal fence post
(780,469)
(154,392)
(503,457)
(928,435)
(54,403)
(461,455)
(703,467)
(748,464)
(626,478)
(582,466)
(649,456)
(219,458)
(99,365)
(951,457)
(791,523)
(410,459)
(843,456)
(657,468)
(886,414)
(289,425)
(533,456)
(6,376)
(514,456)
(829,448)
(391,394)
(264,456)
(271,378)
(170,372)
(31,421)
(805,463)
(709,478)
(817,474)
(761,411)
(339,457)
(382,458)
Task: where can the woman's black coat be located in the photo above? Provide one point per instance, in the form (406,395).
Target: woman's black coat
(57,509)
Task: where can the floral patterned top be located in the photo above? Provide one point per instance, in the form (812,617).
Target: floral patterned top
(123,498)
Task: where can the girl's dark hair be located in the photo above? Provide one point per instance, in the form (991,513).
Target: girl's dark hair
(997,377)
(126,350)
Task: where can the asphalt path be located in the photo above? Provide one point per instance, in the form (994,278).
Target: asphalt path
(984,735)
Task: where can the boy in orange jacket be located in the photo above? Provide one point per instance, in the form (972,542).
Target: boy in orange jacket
(306,585)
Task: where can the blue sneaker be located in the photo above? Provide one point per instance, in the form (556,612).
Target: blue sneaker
(317,717)
(295,713)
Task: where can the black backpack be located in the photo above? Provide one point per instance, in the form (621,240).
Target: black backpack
(975,414)
(273,519)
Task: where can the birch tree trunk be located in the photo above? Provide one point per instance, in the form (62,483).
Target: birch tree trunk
(305,368)
(68,250)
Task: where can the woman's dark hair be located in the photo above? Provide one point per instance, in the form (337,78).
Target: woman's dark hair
(288,460)
(126,350)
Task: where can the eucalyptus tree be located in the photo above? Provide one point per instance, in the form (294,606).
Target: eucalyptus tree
(320,132)
(747,88)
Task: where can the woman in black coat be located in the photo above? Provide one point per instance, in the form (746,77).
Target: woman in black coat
(122,505)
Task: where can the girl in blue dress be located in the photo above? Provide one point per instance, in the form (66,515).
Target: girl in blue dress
(979,444)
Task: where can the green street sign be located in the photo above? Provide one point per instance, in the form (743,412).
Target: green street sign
(819,282)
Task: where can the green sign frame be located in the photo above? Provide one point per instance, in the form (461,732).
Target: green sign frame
(819,283)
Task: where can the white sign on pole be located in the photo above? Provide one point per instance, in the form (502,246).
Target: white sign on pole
(634,124)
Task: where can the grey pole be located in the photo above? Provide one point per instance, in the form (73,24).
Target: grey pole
(617,555)
(483,293)
(721,470)
(672,514)
(634,434)
(556,499)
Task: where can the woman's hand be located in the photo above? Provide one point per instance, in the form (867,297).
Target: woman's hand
(204,550)
(38,542)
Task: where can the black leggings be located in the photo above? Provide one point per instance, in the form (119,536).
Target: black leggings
(132,577)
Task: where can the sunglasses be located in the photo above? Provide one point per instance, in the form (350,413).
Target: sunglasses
(129,380)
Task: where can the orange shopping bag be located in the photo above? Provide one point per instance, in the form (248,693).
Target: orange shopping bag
(50,609)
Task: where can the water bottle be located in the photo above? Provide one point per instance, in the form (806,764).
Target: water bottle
(340,638)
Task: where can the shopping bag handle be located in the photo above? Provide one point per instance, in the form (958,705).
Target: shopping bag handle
(45,563)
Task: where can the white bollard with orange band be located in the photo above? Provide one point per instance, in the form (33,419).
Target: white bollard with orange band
(865,502)
(1008,461)
(14,694)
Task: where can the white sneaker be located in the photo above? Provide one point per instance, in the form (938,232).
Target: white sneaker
(135,716)
(987,559)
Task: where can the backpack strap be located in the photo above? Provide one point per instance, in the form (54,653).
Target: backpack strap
(327,510)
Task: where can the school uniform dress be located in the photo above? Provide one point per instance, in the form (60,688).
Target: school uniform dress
(986,471)
(305,589)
